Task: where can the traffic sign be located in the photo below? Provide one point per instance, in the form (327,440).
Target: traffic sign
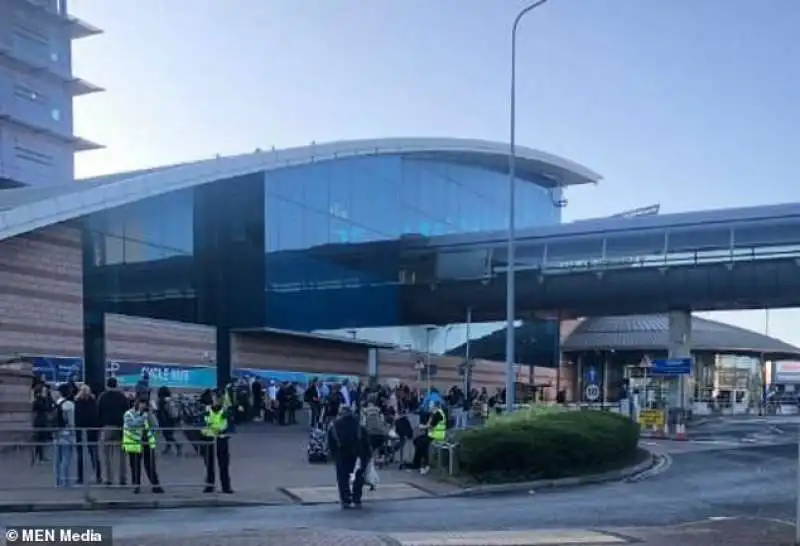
(651,418)
(672,366)
(592,374)
(592,393)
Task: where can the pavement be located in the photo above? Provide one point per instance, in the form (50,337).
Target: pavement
(699,494)
(746,482)
(268,466)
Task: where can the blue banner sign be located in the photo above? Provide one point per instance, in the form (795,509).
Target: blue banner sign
(56,369)
(270,375)
(174,376)
(671,366)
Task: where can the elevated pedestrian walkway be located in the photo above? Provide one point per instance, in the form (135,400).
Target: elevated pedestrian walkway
(726,259)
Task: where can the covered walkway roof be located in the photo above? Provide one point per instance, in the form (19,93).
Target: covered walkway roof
(633,333)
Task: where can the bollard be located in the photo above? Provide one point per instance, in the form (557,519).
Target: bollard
(666,429)
(681,432)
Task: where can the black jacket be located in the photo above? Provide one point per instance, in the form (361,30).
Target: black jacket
(348,439)
(86,412)
(111,408)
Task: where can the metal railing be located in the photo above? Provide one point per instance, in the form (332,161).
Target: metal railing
(91,462)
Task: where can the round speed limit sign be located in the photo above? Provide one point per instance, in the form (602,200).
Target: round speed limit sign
(592,393)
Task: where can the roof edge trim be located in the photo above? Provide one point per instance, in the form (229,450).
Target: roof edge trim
(75,204)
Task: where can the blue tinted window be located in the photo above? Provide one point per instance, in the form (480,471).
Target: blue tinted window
(698,238)
(341,231)
(284,224)
(776,232)
(358,200)
(635,244)
(314,182)
(577,249)
(152,229)
(315,228)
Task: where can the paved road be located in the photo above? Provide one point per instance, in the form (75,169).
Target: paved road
(757,481)
(756,430)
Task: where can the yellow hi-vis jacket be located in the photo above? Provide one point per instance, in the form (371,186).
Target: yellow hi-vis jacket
(439,432)
(136,431)
(216,423)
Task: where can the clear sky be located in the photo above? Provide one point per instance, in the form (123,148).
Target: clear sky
(688,103)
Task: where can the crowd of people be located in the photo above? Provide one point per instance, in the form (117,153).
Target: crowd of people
(102,432)
(111,435)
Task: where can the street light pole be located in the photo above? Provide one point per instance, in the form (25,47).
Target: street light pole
(512,229)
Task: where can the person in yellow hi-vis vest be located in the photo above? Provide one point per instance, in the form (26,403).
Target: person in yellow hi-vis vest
(217,448)
(139,442)
(435,430)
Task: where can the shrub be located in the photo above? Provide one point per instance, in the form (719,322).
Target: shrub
(531,412)
(538,444)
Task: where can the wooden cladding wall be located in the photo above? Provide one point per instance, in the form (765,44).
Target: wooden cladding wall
(15,403)
(41,293)
(485,373)
(284,353)
(142,339)
(316,356)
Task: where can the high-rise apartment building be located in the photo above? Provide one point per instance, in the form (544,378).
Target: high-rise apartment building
(37,140)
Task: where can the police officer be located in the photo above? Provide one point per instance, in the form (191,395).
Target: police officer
(139,443)
(217,446)
(348,442)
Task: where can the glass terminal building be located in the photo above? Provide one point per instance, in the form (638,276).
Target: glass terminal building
(270,248)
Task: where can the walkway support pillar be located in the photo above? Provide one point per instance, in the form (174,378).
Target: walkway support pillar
(679,345)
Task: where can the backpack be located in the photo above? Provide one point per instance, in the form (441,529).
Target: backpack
(60,421)
(372,421)
(173,409)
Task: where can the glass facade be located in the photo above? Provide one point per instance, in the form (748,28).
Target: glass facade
(300,248)
(142,258)
(356,200)
(314,212)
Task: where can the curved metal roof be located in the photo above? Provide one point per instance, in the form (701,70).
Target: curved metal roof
(650,332)
(101,193)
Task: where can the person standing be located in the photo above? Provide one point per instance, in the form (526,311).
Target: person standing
(86,432)
(64,437)
(42,408)
(111,407)
(217,447)
(312,398)
(167,417)
(348,443)
(139,442)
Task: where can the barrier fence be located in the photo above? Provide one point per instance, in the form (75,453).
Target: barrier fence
(92,460)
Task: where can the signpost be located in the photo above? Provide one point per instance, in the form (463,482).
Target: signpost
(592,393)
(671,366)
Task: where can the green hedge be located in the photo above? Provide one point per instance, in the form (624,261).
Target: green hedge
(539,444)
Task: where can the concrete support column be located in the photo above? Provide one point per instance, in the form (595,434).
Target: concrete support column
(223,356)
(372,366)
(679,345)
